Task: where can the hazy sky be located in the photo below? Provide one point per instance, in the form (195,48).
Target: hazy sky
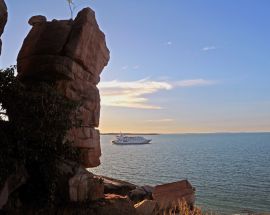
(176,66)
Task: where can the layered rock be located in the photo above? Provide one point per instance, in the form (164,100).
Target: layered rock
(72,54)
(3,19)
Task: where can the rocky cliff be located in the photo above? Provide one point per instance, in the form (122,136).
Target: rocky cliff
(71,53)
(3,19)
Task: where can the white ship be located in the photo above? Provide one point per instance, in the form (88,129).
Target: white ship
(124,140)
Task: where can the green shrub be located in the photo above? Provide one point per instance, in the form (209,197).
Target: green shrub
(34,135)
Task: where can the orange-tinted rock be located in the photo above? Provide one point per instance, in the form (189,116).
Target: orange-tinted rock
(71,53)
(3,19)
(147,207)
(90,156)
(80,40)
(47,38)
(81,48)
(48,67)
(168,195)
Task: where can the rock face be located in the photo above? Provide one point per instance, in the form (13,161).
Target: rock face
(115,186)
(3,19)
(14,181)
(72,54)
(168,195)
(147,207)
(84,187)
(141,193)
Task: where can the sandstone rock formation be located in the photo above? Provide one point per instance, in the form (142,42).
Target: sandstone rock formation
(147,207)
(3,19)
(72,54)
(168,195)
(116,186)
(83,186)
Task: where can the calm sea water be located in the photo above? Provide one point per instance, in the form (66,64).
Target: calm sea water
(231,172)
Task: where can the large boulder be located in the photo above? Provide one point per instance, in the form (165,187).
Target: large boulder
(71,54)
(3,19)
(169,195)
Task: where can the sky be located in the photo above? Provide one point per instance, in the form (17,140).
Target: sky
(176,66)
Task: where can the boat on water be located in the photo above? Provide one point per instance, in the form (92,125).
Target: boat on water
(125,140)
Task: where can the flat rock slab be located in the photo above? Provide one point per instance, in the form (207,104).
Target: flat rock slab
(170,194)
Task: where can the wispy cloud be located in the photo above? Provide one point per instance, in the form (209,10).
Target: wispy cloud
(160,120)
(124,67)
(194,83)
(169,43)
(132,94)
(209,48)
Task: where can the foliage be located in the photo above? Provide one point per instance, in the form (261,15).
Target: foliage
(181,208)
(34,135)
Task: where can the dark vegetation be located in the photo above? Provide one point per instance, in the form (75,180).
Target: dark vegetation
(33,122)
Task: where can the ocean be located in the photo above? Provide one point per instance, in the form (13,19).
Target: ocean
(230,171)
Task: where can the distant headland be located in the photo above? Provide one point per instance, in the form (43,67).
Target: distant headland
(114,133)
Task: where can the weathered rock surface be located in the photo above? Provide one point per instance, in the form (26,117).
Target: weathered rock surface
(115,186)
(147,207)
(141,193)
(168,195)
(118,205)
(85,187)
(72,54)
(3,19)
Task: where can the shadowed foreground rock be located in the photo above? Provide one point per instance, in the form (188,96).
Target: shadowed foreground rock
(15,180)
(3,19)
(116,186)
(71,53)
(111,205)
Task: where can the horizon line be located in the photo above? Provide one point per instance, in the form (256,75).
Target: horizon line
(161,133)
